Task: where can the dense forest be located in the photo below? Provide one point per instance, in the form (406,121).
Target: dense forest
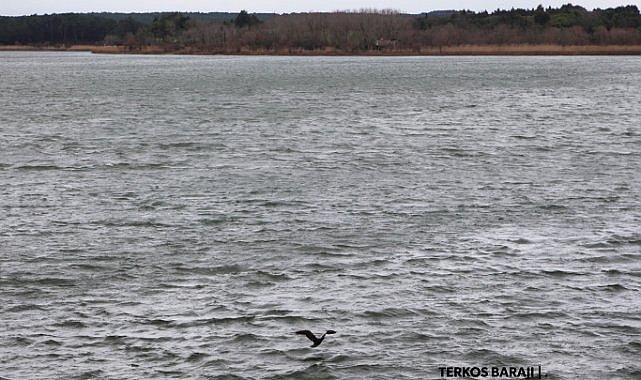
(93,28)
(365,30)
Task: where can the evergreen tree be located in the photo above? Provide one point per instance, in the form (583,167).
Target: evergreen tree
(245,19)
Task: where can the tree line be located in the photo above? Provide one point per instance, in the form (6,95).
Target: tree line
(364,30)
(70,28)
(566,25)
(96,28)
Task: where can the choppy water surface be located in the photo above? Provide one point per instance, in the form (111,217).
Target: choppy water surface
(182,216)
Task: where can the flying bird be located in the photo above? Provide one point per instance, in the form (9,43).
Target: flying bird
(310,335)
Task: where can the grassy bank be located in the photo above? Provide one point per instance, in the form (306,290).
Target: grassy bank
(444,50)
(544,49)
(46,48)
(534,50)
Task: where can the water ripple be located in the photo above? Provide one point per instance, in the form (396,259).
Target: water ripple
(165,219)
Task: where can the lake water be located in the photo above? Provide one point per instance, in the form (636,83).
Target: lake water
(180,217)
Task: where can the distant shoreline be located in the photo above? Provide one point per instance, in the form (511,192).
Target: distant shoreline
(457,50)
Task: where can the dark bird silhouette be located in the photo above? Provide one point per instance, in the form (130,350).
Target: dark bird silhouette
(310,335)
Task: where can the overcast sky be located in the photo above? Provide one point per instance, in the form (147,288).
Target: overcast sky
(27,7)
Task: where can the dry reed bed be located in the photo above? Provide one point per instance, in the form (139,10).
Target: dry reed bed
(443,50)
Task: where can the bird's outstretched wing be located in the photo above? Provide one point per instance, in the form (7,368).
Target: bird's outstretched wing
(310,335)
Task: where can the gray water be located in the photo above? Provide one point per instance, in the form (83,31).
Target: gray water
(181,217)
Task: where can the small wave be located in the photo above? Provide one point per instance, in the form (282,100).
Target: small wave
(155,322)
(171,373)
(54,281)
(290,319)
(596,245)
(51,342)
(228,376)
(553,207)
(274,204)
(88,375)
(144,350)
(495,250)
(470,331)
(628,373)
(272,352)
(471,323)
(318,267)
(490,356)
(256,284)
(137,166)
(314,371)
(611,288)
(561,273)
(585,332)
(273,276)
(197,356)
(330,253)
(115,339)
(524,137)
(439,289)
(132,223)
(189,145)
(217,270)
(38,167)
(635,346)
(539,315)
(599,259)
(415,336)
(246,338)
(128,303)
(71,324)
(22,341)
(225,320)
(180,285)
(88,267)
(610,152)
(456,152)
(215,221)
(618,240)
(339,358)
(613,328)
(24,307)
(388,313)
(216,321)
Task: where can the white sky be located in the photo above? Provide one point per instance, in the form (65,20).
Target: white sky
(27,7)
